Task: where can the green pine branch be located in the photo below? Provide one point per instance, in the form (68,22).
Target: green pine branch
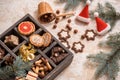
(72,4)
(108,62)
(17,69)
(107,13)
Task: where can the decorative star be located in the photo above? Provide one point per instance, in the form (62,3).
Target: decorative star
(63,35)
(78,47)
(89,35)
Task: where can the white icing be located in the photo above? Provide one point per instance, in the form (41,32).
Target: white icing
(90,34)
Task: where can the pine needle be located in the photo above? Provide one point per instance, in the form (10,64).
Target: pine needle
(72,4)
(17,69)
(108,62)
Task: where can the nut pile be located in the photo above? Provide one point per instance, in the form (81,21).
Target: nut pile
(58,54)
(42,67)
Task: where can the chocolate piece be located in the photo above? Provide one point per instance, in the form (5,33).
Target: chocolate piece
(58,54)
(54,26)
(57,11)
(77,49)
(63,36)
(47,37)
(89,35)
(59,58)
(75,31)
(2,53)
(26,28)
(36,40)
(11,40)
(69,20)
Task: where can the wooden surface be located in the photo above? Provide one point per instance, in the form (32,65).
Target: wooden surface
(80,69)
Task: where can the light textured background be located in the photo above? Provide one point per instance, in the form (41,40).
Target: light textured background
(13,10)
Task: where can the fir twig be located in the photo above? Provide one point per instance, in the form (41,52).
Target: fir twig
(17,69)
(108,62)
(72,4)
(107,13)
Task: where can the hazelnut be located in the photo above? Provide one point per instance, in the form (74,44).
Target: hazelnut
(75,31)
(54,26)
(56,21)
(57,11)
(69,20)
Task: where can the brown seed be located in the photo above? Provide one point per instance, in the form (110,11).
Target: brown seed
(69,20)
(57,11)
(64,17)
(57,18)
(54,26)
(68,27)
(75,31)
(56,21)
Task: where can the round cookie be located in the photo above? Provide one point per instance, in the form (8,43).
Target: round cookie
(26,28)
(36,40)
(47,39)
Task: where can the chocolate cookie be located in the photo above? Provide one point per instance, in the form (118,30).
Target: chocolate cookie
(89,35)
(63,35)
(76,48)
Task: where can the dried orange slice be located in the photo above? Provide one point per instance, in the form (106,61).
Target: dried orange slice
(26,28)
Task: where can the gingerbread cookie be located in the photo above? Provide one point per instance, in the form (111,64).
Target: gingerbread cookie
(26,28)
(63,35)
(89,35)
(77,47)
(36,40)
(47,39)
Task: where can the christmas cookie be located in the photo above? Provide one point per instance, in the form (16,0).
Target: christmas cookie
(26,28)
(89,35)
(63,35)
(36,40)
(77,47)
(47,39)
